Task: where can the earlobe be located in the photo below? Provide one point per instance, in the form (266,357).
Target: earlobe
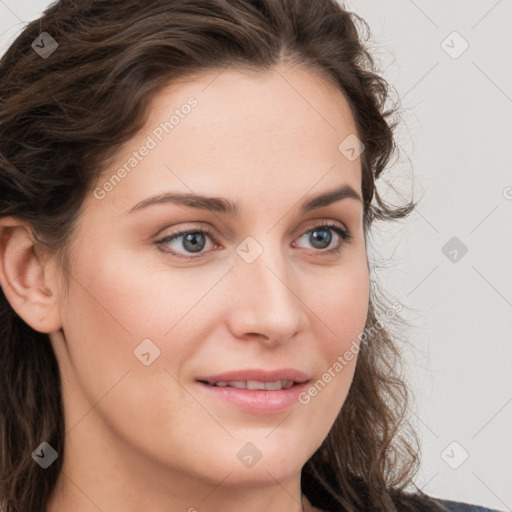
(27,283)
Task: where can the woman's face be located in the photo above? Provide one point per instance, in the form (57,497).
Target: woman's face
(267,288)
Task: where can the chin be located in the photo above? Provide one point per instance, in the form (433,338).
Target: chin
(259,475)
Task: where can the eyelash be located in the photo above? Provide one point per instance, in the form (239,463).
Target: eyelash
(344,235)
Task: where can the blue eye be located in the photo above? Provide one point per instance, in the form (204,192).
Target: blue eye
(194,240)
(320,237)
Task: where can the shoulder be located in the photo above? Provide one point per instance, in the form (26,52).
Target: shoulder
(420,502)
(459,506)
(322,500)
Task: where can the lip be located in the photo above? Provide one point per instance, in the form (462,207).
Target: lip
(256,401)
(259,375)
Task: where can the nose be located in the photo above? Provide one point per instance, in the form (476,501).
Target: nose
(267,303)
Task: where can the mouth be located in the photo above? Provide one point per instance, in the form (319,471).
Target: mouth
(256,397)
(252,385)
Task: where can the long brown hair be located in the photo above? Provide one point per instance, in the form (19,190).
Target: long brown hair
(64,114)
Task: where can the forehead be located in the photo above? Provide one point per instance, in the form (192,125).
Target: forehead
(294,102)
(231,132)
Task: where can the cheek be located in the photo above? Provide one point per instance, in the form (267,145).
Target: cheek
(114,305)
(341,305)
(133,294)
(118,301)
(342,310)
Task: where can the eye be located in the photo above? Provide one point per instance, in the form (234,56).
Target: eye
(194,240)
(321,237)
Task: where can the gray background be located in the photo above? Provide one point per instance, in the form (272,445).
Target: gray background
(455,153)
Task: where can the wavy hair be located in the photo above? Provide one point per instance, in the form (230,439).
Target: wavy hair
(64,116)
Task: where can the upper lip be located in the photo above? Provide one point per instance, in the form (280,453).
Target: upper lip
(259,375)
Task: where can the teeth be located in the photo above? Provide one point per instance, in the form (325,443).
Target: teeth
(279,384)
(237,384)
(254,384)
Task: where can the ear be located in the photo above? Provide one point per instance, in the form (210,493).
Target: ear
(26,280)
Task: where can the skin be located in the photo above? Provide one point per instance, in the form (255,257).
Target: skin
(148,437)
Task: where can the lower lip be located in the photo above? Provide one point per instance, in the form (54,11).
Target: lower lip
(258,401)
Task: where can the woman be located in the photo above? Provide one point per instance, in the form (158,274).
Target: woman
(188,315)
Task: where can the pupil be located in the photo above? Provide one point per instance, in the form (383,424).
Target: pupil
(322,233)
(191,239)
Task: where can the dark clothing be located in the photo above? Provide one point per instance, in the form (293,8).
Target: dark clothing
(321,498)
(458,506)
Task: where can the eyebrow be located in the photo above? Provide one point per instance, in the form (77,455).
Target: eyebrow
(227,207)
